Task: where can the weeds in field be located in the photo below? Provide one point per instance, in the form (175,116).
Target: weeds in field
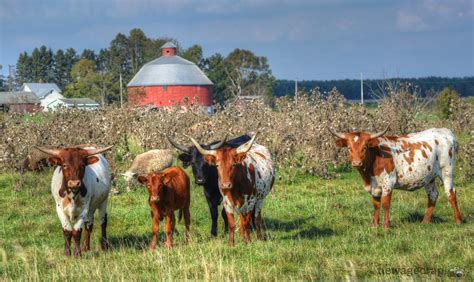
(294,131)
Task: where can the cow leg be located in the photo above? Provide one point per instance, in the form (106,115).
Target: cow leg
(386,200)
(454,205)
(88,224)
(447,177)
(169,229)
(230,220)
(76,234)
(245,225)
(226,223)
(187,223)
(154,228)
(86,245)
(252,222)
(375,217)
(214,216)
(104,243)
(67,242)
(258,226)
(432,197)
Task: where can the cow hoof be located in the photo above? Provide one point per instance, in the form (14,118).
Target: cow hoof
(85,249)
(458,222)
(104,244)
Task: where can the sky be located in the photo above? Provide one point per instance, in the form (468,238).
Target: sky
(302,39)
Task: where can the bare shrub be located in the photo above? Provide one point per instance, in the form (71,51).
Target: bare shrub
(295,132)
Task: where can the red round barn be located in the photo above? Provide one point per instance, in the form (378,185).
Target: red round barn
(168,81)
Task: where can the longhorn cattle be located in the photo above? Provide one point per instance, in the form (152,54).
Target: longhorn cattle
(206,175)
(80,185)
(168,191)
(405,162)
(246,175)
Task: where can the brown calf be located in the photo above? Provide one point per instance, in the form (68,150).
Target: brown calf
(168,191)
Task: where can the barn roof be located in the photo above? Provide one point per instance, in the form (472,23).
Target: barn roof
(169,70)
(18,98)
(42,89)
(169,44)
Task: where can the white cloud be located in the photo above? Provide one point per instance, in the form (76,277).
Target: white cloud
(409,21)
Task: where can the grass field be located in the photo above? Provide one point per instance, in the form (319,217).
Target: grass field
(315,229)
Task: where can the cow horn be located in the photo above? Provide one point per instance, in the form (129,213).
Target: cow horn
(53,152)
(337,134)
(220,144)
(378,134)
(178,146)
(201,149)
(91,152)
(244,148)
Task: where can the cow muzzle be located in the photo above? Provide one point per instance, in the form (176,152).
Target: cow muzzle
(154,199)
(357,164)
(74,184)
(200,181)
(226,185)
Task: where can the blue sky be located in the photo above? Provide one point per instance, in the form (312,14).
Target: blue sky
(319,39)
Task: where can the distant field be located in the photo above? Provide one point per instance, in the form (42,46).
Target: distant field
(316,229)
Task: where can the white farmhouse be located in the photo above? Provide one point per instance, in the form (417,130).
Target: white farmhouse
(48,93)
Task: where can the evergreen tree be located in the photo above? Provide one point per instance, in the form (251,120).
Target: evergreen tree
(61,71)
(88,54)
(23,69)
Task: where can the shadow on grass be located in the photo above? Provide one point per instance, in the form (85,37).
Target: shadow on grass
(311,233)
(417,217)
(279,225)
(138,242)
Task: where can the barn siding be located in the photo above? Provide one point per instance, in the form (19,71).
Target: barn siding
(165,96)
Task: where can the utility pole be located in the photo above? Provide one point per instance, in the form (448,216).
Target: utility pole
(121,99)
(11,77)
(296,90)
(361,89)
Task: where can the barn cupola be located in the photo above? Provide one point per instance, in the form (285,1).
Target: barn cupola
(169,49)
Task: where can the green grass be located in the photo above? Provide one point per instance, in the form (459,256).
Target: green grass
(315,228)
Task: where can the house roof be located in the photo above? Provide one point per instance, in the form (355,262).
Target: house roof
(169,70)
(18,98)
(42,89)
(79,101)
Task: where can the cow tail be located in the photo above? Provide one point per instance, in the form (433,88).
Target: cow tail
(180,216)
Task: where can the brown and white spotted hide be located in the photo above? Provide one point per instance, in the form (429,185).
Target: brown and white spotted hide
(80,185)
(246,175)
(405,162)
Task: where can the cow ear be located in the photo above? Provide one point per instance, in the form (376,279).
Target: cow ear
(239,158)
(374,142)
(142,179)
(185,159)
(92,160)
(53,161)
(166,179)
(210,159)
(341,142)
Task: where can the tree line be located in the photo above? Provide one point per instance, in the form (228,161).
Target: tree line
(350,88)
(97,75)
